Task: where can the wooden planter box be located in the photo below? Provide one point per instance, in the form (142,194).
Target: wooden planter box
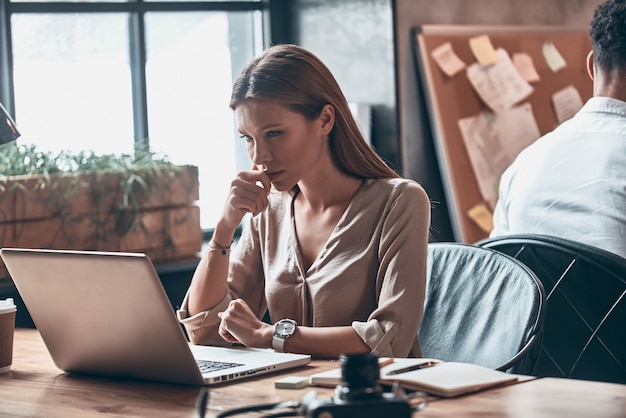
(151,211)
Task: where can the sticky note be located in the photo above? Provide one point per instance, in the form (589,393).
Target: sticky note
(553,57)
(524,64)
(483,50)
(566,103)
(448,61)
(482,216)
(292,382)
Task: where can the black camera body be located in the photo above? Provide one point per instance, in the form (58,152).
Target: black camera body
(361,397)
(385,406)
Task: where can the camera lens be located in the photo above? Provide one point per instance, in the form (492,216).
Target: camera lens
(360,370)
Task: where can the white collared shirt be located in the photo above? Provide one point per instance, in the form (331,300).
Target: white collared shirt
(571,183)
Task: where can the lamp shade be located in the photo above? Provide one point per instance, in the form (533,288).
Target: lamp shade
(8,131)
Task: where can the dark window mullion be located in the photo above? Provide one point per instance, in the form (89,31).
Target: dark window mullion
(138,77)
(7,97)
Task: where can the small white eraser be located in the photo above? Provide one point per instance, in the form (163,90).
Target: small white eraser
(292,382)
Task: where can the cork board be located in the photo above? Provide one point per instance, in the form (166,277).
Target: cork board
(452,98)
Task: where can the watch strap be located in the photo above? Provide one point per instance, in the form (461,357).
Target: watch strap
(278,343)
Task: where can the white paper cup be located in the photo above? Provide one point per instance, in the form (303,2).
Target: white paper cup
(7,329)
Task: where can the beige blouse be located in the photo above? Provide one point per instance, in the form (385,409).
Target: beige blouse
(371,274)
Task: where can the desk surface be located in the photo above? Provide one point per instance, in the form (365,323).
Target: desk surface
(36,388)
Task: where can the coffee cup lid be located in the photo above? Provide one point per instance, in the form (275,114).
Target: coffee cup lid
(7,306)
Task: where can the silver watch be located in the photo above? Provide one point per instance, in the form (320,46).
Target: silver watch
(283,329)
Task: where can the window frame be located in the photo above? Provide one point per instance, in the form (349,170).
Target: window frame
(275,29)
(137,42)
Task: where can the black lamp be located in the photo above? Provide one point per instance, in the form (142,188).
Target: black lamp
(8,131)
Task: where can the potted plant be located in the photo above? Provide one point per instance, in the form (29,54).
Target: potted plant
(85,201)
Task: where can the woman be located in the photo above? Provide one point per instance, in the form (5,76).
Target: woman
(334,247)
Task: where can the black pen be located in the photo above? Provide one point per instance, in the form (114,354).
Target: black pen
(414,367)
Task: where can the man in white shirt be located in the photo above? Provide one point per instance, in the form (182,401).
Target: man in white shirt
(571,183)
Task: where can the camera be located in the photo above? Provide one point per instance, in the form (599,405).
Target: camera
(362,396)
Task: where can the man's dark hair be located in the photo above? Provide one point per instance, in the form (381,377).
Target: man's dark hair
(608,37)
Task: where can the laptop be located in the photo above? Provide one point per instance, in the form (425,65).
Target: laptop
(107,314)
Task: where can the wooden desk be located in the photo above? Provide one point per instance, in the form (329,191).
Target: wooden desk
(36,388)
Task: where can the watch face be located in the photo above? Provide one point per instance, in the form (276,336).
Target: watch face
(285,328)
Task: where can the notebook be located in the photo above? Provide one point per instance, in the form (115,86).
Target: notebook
(435,377)
(107,314)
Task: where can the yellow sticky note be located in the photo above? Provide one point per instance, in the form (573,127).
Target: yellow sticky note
(482,216)
(483,50)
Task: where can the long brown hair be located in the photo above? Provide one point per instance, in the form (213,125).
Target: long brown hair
(296,78)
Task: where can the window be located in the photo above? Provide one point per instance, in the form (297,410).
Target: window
(115,76)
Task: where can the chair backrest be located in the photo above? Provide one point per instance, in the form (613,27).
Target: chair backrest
(585,326)
(481,307)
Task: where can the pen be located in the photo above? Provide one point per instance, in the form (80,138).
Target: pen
(414,367)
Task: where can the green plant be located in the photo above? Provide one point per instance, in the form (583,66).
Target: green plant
(18,160)
(68,173)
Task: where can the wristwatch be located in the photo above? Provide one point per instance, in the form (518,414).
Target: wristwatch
(283,329)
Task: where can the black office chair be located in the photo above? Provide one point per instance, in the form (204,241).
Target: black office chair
(481,307)
(585,327)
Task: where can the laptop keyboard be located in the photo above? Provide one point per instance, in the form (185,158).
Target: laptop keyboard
(211,366)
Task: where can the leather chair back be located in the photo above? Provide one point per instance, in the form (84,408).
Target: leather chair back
(585,326)
(481,307)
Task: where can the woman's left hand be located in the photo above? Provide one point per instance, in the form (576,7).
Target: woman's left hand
(240,325)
